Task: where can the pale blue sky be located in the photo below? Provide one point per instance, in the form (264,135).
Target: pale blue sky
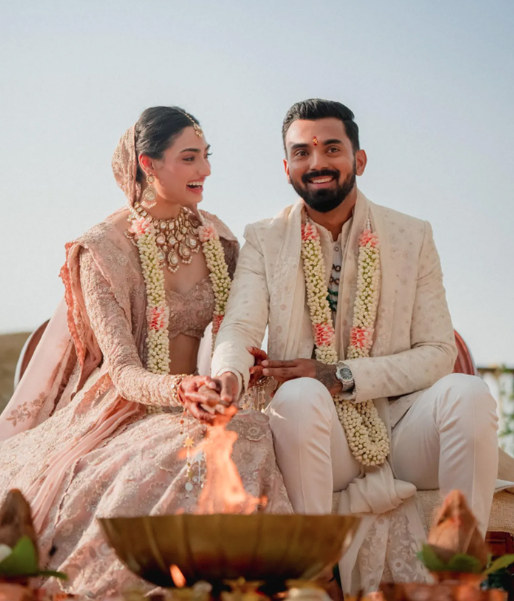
(430,82)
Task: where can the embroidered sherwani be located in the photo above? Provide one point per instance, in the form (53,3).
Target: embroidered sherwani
(414,344)
(413,348)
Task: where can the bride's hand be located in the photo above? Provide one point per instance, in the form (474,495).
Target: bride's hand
(195,391)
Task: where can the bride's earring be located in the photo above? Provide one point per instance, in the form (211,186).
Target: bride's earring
(149,198)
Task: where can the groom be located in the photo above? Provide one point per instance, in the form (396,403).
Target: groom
(440,427)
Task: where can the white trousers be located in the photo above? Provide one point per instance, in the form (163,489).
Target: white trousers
(446,440)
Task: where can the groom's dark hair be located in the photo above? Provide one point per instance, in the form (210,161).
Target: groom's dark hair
(317,108)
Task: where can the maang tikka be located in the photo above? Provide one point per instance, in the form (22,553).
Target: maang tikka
(149,198)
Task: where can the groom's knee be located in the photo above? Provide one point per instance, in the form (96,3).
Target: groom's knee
(300,405)
(460,395)
(300,398)
(470,390)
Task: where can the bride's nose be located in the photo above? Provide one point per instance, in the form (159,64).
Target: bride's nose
(205,168)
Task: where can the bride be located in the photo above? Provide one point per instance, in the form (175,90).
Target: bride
(97,427)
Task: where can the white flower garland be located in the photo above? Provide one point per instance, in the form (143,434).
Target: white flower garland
(221,282)
(365,431)
(157,313)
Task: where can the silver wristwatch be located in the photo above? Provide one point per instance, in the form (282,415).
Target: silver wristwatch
(345,376)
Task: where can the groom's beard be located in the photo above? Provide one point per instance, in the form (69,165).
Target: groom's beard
(326,199)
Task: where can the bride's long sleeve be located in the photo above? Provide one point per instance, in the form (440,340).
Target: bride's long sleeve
(113,333)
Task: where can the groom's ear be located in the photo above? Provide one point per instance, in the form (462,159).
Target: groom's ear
(361,160)
(286,169)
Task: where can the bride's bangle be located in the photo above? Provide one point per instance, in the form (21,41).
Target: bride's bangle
(174,397)
(175,388)
(180,397)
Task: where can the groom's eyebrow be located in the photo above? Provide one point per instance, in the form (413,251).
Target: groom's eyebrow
(325,143)
(299,145)
(195,149)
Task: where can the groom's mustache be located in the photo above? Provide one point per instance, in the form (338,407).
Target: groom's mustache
(307,177)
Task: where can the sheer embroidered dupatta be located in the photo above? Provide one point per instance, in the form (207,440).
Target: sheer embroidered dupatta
(44,379)
(100,409)
(67,353)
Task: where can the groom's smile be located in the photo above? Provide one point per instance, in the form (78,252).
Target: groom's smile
(318,180)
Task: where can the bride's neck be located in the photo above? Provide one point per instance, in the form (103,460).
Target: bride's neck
(165,209)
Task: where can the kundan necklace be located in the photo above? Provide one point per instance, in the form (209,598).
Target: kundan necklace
(365,431)
(176,238)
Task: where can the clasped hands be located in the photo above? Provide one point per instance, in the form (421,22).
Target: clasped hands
(207,399)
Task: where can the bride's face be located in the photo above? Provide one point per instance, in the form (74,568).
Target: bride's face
(180,174)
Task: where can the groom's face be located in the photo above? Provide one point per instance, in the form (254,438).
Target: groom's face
(321,164)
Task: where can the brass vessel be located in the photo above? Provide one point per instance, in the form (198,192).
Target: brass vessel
(218,547)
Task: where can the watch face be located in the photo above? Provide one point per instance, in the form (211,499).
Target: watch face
(345,373)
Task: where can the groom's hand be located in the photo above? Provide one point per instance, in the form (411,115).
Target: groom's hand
(259,356)
(283,371)
(228,386)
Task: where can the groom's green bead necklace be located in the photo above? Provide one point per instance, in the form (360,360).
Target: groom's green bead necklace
(333,294)
(332,299)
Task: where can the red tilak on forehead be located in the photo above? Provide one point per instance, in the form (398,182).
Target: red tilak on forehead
(315,141)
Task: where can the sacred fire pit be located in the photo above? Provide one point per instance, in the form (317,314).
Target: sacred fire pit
(220,547)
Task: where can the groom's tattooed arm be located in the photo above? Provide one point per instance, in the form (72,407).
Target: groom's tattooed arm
(326,374)
(283,371)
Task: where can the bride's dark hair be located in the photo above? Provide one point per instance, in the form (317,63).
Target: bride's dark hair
(156,129)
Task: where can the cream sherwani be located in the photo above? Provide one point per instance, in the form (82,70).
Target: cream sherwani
(413,349)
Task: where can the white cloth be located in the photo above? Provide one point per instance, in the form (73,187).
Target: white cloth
(446,440)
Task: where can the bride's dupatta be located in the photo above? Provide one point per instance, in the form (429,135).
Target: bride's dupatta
(67,353)
(67,379)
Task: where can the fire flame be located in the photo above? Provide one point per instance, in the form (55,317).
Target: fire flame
(223,490)
(177,576)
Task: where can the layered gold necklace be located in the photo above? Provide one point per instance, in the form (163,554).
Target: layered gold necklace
(177,238)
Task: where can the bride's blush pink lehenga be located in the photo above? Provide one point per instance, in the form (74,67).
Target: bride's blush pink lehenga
(80,437)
